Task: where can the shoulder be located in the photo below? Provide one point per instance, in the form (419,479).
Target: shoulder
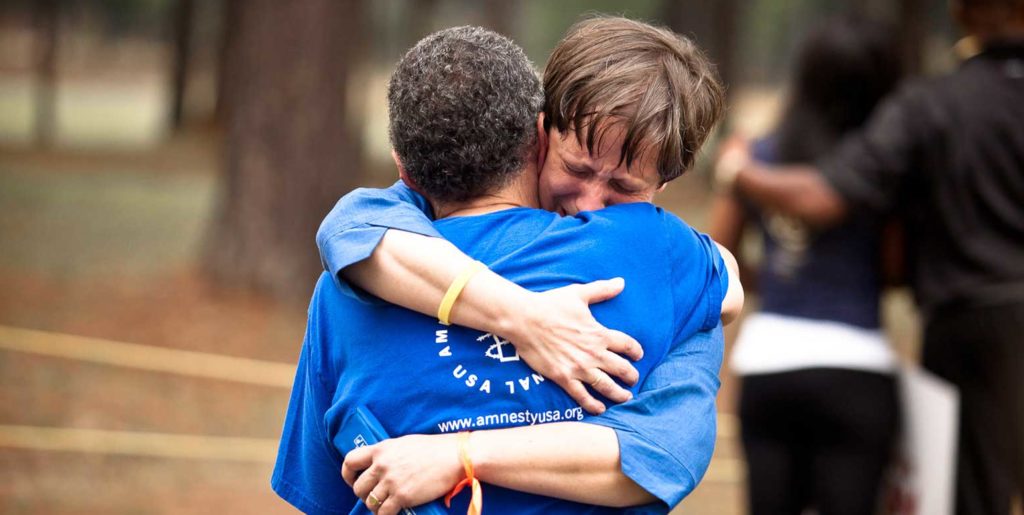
(636,212)
(327,304)
(920,97)
(325,292)
(644,225)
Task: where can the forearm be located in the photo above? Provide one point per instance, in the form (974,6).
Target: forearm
(568,460)
(732,304)
(728,224)
(799,191)
(415,271)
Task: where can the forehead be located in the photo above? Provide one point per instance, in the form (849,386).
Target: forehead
(609,139)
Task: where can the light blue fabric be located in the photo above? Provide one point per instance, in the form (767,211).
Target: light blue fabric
(359,220)
(666,433)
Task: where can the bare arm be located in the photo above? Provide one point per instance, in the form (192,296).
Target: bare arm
(567,460)
(732,304)
(728,223)
(798,190)
(553,331)
(591,475)
(795,190)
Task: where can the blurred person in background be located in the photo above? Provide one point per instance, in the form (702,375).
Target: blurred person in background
(949,154)
(818,400)
(573,461)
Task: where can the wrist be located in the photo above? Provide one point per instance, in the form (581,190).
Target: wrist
(728,168)
(511,316)
(476,450)
(498,304)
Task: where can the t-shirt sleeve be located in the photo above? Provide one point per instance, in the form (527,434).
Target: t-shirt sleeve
(359,220)
(699,278)
(667,432)
(307,473)
(871,166)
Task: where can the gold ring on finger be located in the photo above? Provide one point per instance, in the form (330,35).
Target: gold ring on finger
(372,501)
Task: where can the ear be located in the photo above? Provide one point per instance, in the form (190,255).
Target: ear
(661,188)
(542,142)
(402,174)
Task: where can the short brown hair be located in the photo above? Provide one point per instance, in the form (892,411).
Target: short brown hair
(611,69)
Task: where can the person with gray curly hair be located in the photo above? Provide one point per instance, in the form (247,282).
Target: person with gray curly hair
(419,375)
(472,129)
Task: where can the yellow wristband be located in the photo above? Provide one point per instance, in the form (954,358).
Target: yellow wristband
(444,311)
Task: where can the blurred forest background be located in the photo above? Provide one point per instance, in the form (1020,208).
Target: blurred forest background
(164,165)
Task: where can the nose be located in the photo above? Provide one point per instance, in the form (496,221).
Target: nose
(591,198)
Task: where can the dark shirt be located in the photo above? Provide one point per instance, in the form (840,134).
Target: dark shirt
(948,153)
(830,275)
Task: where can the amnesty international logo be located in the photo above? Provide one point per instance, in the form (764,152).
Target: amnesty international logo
(486,364)
(501,350)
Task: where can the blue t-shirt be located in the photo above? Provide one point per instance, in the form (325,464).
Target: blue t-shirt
(420,377)
(666,434)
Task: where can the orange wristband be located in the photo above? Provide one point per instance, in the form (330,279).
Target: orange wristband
(476,502)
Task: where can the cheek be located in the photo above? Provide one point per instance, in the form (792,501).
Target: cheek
(558,183)
(615,197)
(557,192)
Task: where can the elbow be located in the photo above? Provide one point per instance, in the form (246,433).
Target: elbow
(732,306)
(732,303)
(822,206)
(632,495)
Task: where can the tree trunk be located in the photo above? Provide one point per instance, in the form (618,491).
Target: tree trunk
(182,13)
(290,147)
(47,20)
(229,17)
(711,23)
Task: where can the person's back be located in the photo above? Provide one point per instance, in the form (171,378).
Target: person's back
(967,217)
(418,376)
(953,161)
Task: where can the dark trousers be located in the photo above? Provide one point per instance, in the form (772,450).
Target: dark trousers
(817,438)
(981,351)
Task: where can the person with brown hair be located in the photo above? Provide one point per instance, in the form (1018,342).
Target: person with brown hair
(621,142)
(948,154)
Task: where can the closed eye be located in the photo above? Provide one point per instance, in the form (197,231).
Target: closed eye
(577,172)
(623,189)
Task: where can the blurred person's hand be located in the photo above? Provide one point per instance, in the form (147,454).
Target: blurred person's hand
(733,156)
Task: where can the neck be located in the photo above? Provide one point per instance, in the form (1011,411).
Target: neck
(521,192)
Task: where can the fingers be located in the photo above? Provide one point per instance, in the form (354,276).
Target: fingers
(389,507)
(377,499)
(622,343)
(606,386)
(366,482)
(600,291)
(355,462)
(579,393)
(617,366)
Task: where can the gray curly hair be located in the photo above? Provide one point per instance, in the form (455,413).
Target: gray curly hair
(463,106)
